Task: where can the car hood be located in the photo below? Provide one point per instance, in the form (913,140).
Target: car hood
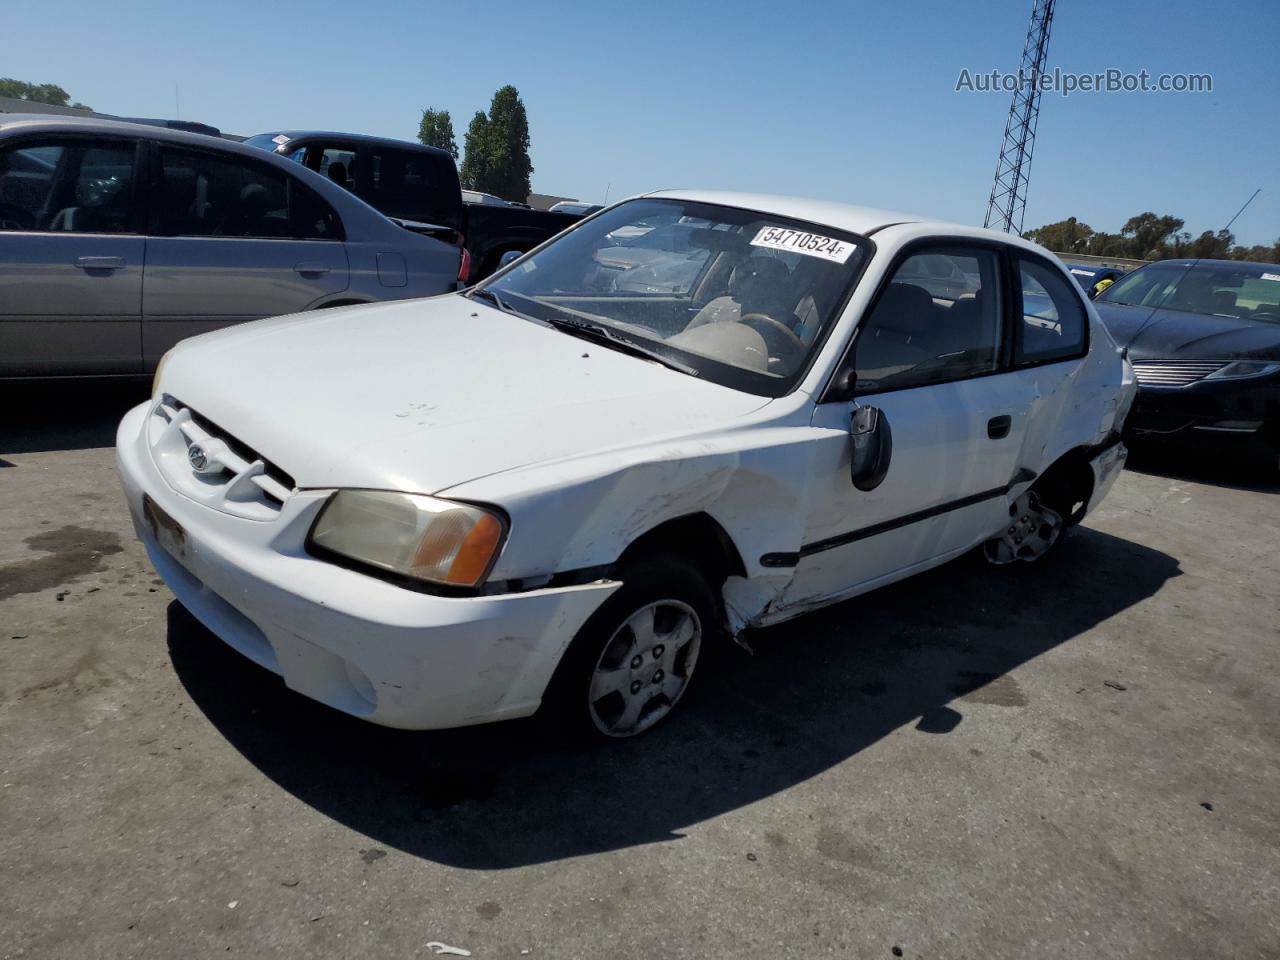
(1191,336)
(420,395)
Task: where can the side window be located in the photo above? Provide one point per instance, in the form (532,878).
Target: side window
(339,166)
(207,195)
(71,187)
(410,184)
(310,217)
(1053,318)
(938,319)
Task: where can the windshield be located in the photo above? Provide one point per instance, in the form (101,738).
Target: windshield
(266,141)
(1248,291)
(737,296)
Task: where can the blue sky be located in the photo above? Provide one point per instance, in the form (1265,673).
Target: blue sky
(845,101)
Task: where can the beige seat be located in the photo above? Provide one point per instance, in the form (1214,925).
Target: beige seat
(757,285)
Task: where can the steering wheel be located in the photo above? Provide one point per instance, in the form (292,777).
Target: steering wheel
(778,337)
(15,218)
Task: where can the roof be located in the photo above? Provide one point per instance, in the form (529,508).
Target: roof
(358,137)
(844,216)
(103,126)
(1221,264)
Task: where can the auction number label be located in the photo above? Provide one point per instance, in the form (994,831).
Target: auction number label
(810,244)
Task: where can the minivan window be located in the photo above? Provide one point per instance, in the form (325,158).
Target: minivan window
(207,195)
(67,187)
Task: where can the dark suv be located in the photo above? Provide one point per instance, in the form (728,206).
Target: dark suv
(418,187)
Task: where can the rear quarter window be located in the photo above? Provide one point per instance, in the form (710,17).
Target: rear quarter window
(1054,324)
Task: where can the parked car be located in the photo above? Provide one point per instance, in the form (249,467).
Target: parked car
(1204,338)
(418,186)
(942,277)
(118,239)
(540,492)
(576,206)
(477,196)
(1093,279)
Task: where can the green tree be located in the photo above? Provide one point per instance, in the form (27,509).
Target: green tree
(1213,246)
(510,169)
(1065,236)
(475,160)
(49,93)
(1148,235)
(436,130)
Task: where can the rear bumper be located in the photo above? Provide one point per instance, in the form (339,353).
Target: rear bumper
(356,643)
(1106,467)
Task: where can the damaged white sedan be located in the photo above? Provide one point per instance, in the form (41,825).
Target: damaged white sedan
(692,414)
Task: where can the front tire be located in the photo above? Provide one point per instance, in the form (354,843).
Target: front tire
(635,658)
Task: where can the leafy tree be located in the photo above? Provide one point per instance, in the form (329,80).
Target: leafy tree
(1148,237)
(510,168)
(1213,246)
(1148,234)
(475,162)
(49,93)
(436,130)
(1065,236)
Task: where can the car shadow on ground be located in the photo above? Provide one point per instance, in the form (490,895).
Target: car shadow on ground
(64,415)
(1231,470)
(816,692)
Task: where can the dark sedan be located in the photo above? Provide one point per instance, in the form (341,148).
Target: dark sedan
(1204,338)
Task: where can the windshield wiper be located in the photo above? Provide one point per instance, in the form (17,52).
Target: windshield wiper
(607,337)
(497,301)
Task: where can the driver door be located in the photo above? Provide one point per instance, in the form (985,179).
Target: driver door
(933,367)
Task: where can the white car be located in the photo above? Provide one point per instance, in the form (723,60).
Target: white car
(554,490)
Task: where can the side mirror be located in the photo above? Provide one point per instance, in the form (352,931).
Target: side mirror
(872,447)
(511,256)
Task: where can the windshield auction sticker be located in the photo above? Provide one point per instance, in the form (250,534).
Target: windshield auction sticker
(810,244)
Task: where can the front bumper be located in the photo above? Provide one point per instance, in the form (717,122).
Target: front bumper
(359,644)
(1241,413)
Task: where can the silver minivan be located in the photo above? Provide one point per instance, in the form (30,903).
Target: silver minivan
(117,240)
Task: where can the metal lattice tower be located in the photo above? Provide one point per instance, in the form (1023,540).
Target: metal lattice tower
(1008,202)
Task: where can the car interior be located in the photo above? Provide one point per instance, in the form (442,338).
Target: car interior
(74,189)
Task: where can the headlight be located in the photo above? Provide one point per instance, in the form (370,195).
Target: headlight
(1245,368)
(439,541)
(155,380)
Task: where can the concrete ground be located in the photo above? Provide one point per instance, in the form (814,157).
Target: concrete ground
(1074,760)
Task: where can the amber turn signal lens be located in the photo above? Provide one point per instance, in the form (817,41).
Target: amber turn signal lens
(476,552)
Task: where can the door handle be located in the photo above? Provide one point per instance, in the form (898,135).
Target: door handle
(100,263)
(998,427)
(312,269)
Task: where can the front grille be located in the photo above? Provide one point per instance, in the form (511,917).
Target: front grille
(233,477)
(1173,373)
